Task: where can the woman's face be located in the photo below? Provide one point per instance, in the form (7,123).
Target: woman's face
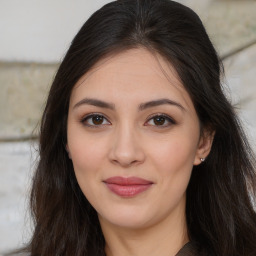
(133,137)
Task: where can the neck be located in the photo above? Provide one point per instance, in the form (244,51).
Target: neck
(164,238)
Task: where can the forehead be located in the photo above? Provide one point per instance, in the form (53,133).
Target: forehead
(133,74)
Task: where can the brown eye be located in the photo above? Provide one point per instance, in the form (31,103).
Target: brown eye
(159,120)
(95,120)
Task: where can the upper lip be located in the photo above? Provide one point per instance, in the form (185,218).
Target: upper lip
(126,181)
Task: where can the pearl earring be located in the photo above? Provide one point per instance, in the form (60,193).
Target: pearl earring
(202,159)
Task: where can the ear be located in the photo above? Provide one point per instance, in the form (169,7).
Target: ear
(67,149)
(204,146)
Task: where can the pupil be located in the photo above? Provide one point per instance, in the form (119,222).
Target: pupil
(159,120)
(97,120)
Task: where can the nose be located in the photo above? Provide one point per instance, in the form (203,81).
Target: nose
(126,149)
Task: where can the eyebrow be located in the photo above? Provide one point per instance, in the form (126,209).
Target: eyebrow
(95,102)
(142,106)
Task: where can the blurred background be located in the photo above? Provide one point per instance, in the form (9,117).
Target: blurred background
(34,36)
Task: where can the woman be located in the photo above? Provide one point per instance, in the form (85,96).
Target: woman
(140,151)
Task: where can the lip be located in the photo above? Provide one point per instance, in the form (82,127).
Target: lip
(127,186)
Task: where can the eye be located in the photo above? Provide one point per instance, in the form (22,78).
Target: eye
(160,120)
(95,120)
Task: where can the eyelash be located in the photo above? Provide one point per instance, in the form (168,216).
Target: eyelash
(166,117)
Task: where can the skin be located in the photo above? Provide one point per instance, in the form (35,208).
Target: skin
(127,142)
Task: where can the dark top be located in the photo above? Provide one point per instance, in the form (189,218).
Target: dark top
(187,250)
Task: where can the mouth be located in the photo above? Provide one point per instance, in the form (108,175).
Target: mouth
(127,187)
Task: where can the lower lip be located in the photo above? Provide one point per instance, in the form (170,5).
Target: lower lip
(128,190)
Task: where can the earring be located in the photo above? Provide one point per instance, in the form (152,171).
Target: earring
(202,159)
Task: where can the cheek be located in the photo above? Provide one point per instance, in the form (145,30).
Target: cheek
(85,148)
(174,153)
(88,159)
(87,154)
(174,163)
(173,160)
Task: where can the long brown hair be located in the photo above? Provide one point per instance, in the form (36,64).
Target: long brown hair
(220,215)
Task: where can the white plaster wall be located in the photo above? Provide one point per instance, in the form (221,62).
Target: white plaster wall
(41,30)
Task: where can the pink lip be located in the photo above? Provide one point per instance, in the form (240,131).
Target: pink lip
(127,187)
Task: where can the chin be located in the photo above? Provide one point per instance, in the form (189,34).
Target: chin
(127,218)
